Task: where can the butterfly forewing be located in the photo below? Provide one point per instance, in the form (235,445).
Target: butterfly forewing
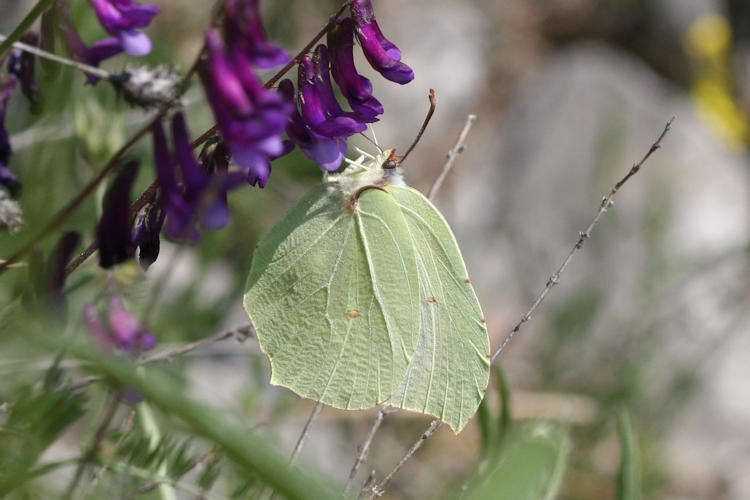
(333,296)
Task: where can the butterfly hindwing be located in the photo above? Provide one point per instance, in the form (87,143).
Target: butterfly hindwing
(450,369)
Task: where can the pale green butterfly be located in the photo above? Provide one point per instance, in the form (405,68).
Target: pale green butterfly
(359,296)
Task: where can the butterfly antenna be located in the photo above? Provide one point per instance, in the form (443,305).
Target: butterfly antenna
(424,126)
(373,142)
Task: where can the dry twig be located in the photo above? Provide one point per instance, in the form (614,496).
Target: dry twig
(451,157)
(607,202)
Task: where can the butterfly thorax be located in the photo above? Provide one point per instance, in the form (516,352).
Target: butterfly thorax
(366,171)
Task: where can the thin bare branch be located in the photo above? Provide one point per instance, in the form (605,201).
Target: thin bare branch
(364,449)
(379,489)
(242,333)
(451,157)
(101,432)
(305,432)
(607,202)
(91,70)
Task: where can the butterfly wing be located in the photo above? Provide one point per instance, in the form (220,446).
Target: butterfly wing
(333,296)
(448,375)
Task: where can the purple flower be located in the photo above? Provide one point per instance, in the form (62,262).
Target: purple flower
(113,231)
(201,196)
(99,51)
(382,55)
(206,193)
(355,88)
(7,178)
(121,18)
(148,225)
(119,330)
(250,117)
(177,211)
(243,27)
(327,152)
(319,107)
(21,64)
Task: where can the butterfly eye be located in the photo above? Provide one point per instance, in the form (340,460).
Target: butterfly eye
(390,164)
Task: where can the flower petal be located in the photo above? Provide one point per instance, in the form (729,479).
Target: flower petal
(354,87)
(382,55)
(113,232)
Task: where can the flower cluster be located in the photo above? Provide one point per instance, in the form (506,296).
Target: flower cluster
(119,329)
(320,127)
(250,117)
(121,19)
(199,195)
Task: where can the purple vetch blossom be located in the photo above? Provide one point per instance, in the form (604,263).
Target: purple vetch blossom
(354,87)
(114,233)
(91,55)
(317,102)
(327,152)
(250,117)
(7,178)
(119,330)
(199,195)
(121,18)
(382,55)
(243,28)
(21,64)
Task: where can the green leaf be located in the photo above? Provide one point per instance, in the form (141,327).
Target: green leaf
(449,372)
(34,423)
(506,415)
(239,443)
(360,296)
(333,297)
(530,465)
(629,479)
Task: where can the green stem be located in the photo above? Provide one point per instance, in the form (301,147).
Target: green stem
(24,25)
(151,429)
(147,475)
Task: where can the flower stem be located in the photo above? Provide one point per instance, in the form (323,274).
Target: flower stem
(60,60)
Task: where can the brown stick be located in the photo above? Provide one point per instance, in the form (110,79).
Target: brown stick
(607,202)
(364,450)
(451,157)
(379,489)
(305,432)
